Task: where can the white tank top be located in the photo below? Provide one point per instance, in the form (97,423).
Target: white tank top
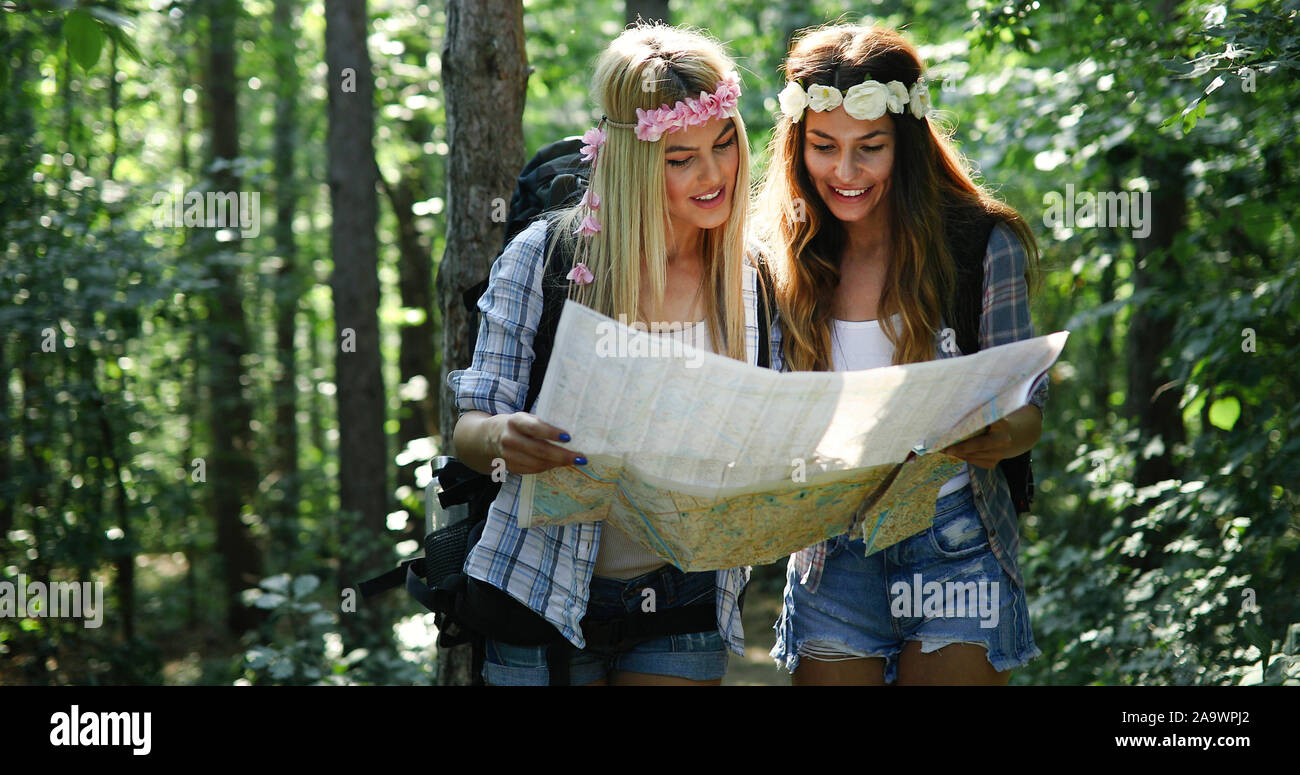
(618,556)
(861,344)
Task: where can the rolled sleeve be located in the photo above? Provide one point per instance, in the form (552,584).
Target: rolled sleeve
(510,311)
(1006,316)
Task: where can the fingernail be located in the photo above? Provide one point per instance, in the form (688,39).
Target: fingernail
(582,461)
(564,437)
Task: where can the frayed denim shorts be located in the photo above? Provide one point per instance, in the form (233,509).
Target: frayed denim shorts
(698,656)
(940,586)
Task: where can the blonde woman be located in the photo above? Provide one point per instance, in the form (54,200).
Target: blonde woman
(659,238)
(881,243)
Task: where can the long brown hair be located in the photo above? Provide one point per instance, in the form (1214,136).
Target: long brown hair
(930,178)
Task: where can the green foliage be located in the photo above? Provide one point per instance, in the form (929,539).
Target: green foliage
(1239,45)
(1149,585)
(305,646)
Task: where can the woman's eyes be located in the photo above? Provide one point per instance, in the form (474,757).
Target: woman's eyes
(825,148)
(719,147)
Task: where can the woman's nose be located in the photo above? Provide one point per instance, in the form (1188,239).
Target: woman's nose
(710,172)
(845,169)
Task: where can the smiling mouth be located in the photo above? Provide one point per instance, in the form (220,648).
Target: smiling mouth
(852,193)
(709,197)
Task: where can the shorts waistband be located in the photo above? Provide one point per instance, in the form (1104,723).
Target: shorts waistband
(955,500)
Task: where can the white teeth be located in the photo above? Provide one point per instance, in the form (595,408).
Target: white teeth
(853,192)
(714,195)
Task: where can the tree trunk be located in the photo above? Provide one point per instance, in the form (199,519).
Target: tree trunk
(484,74)
(415,282)
(232,471)
(363,449)
(8,486)
(1153,395)
(288,287)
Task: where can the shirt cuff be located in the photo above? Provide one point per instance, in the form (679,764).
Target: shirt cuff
(486,392)
(1038,395)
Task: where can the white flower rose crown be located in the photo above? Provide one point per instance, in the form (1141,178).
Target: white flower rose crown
(866,101)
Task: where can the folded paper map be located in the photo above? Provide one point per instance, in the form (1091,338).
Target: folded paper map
(713,463)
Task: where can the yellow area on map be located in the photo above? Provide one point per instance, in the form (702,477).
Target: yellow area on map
(751,526)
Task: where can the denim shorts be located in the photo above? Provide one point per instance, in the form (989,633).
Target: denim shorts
(698,656)
(940,586)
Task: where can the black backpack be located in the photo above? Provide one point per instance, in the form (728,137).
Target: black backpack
(467,610)
(967,232)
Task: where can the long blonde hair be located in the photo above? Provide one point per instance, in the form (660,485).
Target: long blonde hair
(931,181)
(645,67)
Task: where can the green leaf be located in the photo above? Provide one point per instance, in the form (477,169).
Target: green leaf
(303,585)
(114,18)
(277,583)
(126,45)
(85,38)
(1224,413)
(270,600)
(258,657)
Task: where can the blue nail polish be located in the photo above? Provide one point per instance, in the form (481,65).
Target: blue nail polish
(582,461)
(564,437)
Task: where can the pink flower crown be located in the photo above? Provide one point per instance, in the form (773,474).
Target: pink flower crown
(650,126)
(653,124)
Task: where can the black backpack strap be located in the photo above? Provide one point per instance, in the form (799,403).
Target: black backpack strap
(766,301)
(555,290)
(1020,479)
(557,663)
(967,234)
(637,627)
(391,579)
(967,231)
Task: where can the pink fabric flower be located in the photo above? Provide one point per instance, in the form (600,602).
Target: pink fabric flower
(648,128)
(593,139)
(695,112)
(653,124)
(709,105)
(590,199)
(588,227)
(580,274)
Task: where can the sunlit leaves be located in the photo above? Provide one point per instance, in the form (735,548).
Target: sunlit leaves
(84,37)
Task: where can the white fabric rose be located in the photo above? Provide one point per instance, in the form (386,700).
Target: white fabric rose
(822,98)
(793,101)
(919,99)
(898,96)
(866,101)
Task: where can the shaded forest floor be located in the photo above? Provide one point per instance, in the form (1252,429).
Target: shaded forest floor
(762,606)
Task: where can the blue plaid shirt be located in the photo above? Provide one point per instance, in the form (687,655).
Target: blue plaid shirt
(549,568)
(1005,319)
